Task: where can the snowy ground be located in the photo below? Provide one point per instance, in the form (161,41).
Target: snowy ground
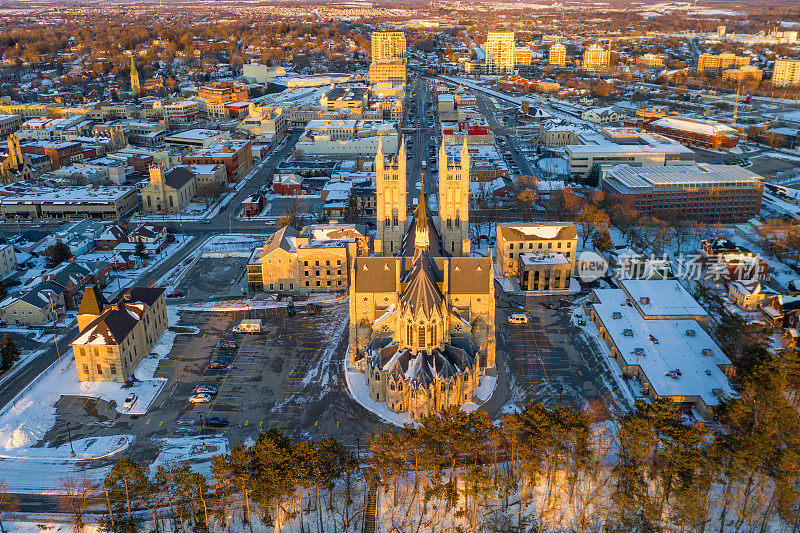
(25,421)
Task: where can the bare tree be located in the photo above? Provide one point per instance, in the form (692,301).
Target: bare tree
(8,504)
(75,495)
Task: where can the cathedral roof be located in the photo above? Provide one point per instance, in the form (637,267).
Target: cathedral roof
(422,214)
(422,293)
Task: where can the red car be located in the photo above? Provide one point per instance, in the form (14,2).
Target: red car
(175,294)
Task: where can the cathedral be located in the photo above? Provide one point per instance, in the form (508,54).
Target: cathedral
(421,310)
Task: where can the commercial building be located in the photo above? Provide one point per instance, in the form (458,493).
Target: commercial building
(388,70)
(655,331)
(714,65)
(9,124)
(540,255)
(347,138)
(213,98)
(651,61)
(234,154)
(603,115)
(702,192)
(743,73)
(195,138)
(388,44)
(557,55)
(67,202)
(695,132)
(500,48)
(342,97)
(596,58)
(786,72)
(316,259)
(115,337)
(624,146)
(257,73)
(522,56)
(183,112)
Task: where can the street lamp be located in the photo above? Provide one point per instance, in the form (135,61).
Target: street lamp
(69,436)
(55,339)
(202,436)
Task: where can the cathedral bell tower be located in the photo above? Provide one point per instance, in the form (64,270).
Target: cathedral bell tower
(454,202)
(391,203)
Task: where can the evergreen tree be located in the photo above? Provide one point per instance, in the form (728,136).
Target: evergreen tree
(9,353)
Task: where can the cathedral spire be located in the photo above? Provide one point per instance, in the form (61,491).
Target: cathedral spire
(135,87)
(421,235)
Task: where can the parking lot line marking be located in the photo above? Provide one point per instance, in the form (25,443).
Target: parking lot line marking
(259,424)
(159,424)
(245,423)
(148,421)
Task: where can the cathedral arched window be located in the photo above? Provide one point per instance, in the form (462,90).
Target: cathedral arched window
(433,333)
(421,339)
(410,333)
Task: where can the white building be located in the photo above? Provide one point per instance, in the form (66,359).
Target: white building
(347,138)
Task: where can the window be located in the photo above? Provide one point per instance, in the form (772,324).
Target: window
(421,333)
(113,369)
(85,368)
(99,370)
(410,333)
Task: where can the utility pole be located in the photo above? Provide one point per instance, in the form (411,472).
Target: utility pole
(55,339)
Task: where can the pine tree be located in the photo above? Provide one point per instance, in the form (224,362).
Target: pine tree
(9,353)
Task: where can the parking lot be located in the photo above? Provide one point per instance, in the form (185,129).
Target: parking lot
(288,377)
(214,278)
(549,360)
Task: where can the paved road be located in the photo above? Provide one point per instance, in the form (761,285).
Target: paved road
(222,222)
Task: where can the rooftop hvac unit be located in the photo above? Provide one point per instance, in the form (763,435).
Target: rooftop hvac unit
(627,332)
(717,392)
(707,352)
(690,333)
(639,352)
(644,300)
(616,315)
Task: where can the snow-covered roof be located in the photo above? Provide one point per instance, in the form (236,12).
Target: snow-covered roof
(662,298)
(681,345)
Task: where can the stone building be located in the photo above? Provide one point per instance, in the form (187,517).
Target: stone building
(115,337)
(454,202)
(170,192)
(422,323)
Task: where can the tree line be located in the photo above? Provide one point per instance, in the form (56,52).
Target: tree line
(567,468)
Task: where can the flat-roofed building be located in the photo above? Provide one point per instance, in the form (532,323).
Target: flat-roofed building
(743,73)
(523,55)
(183,112)
(714,65)
(596,58)
(500,51)
(213,98)
(666,350)
(625,146)
(9,124)
(345,98)
(235,154)
(786,72)
(703,192)
(388,70)
(695,132)
(388,44)
(195,138)
(540,255)
(68,202)
(557,55)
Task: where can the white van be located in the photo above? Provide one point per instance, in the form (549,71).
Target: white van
(518,318)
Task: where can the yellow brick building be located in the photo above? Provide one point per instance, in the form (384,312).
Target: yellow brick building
(786,72)
(115,337)
(540,255)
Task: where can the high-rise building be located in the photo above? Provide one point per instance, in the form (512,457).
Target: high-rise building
(391,201)
(558,55)
(523,56)
(712,65)
(500,50)
(136,88)
(454,202)
(786,72)
(388,44)
(388,70)
(722,32)
(596,58)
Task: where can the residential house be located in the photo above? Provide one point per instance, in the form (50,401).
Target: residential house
(747,294)
(39,306)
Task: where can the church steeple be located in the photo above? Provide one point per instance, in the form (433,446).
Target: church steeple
(135,87)
(421,235)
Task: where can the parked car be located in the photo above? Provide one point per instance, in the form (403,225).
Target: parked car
(219,363)
(175,294)
(518,318)
(200,397)
(216,422)
(227,346)
(206,389)
(129,401)
(290,309)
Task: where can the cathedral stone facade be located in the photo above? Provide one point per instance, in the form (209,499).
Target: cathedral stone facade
(422,320)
